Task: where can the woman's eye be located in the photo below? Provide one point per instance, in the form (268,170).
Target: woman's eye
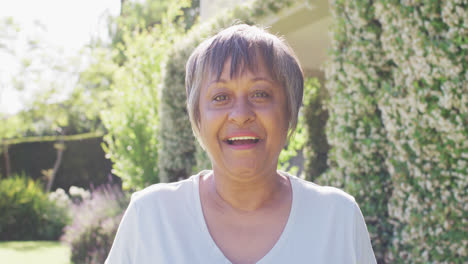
(260,94)
(220,98)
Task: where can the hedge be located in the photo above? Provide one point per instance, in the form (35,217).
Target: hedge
(425,112)
(398,105)
(83,164)
(314,121)
(354,128)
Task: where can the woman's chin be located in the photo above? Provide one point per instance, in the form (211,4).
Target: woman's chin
(243,169)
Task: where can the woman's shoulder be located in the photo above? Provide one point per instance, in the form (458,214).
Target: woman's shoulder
(327,194)
(166,191)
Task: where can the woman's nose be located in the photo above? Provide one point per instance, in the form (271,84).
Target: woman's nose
(242,112)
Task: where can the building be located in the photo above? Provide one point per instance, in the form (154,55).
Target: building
(305,27)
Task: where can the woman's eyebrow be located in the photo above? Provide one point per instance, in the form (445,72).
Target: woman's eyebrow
(215,82)
(257,79)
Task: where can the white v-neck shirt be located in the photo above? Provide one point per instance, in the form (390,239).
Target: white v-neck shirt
(164,223)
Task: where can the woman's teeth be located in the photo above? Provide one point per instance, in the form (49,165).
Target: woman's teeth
(242,140)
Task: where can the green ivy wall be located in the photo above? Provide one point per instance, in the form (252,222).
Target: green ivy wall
(398,105)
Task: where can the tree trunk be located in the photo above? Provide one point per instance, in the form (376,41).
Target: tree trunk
(122,2)
(7,161)
(60,148)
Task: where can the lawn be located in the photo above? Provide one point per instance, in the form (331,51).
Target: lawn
(38,252)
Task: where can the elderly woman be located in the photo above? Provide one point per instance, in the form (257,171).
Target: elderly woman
(244,89)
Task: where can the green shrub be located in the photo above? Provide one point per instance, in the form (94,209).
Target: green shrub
(78,195)
(315,119)
(355,129)
(28,213)
(133,121)
(424,108)
(309,137)
(95,224)
(398,112)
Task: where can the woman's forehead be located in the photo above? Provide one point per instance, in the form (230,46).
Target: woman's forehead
(240,68)
(259,74)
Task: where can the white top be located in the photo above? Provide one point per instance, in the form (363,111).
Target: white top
(164,223)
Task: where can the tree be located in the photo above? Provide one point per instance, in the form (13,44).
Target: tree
(133,120)
(145,15)
(43,70)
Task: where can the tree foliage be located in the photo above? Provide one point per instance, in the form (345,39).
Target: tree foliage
(133,121)
(44,72)
(62,100)
(140,16)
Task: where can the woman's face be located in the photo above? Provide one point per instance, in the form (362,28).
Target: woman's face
(243,121)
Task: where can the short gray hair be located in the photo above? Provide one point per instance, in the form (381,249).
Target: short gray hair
(247,46)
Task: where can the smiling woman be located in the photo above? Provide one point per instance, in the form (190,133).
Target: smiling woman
(244,88)
(246,113)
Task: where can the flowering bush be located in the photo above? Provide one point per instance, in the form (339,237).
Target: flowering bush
(355,129)
(425,113)
(78,195)
(27,213)
(60,197)
(398,106)
(95,223)
(59,214)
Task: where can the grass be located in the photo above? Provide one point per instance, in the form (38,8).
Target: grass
(38,252)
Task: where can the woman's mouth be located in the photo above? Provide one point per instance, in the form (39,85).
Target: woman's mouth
(242,140)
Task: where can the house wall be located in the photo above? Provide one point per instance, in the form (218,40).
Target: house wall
(305,27)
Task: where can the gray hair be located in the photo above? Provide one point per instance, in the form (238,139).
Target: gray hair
(247,46)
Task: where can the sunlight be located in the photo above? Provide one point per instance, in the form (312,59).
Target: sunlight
(59,25)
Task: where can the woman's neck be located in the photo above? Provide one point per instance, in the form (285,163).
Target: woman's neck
(246,194)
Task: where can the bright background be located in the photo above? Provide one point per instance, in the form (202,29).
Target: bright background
(68,25)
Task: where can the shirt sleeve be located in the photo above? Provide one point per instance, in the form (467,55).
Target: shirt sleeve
(363,246)
(125,243)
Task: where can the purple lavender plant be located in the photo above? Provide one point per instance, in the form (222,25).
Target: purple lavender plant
(95,223)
